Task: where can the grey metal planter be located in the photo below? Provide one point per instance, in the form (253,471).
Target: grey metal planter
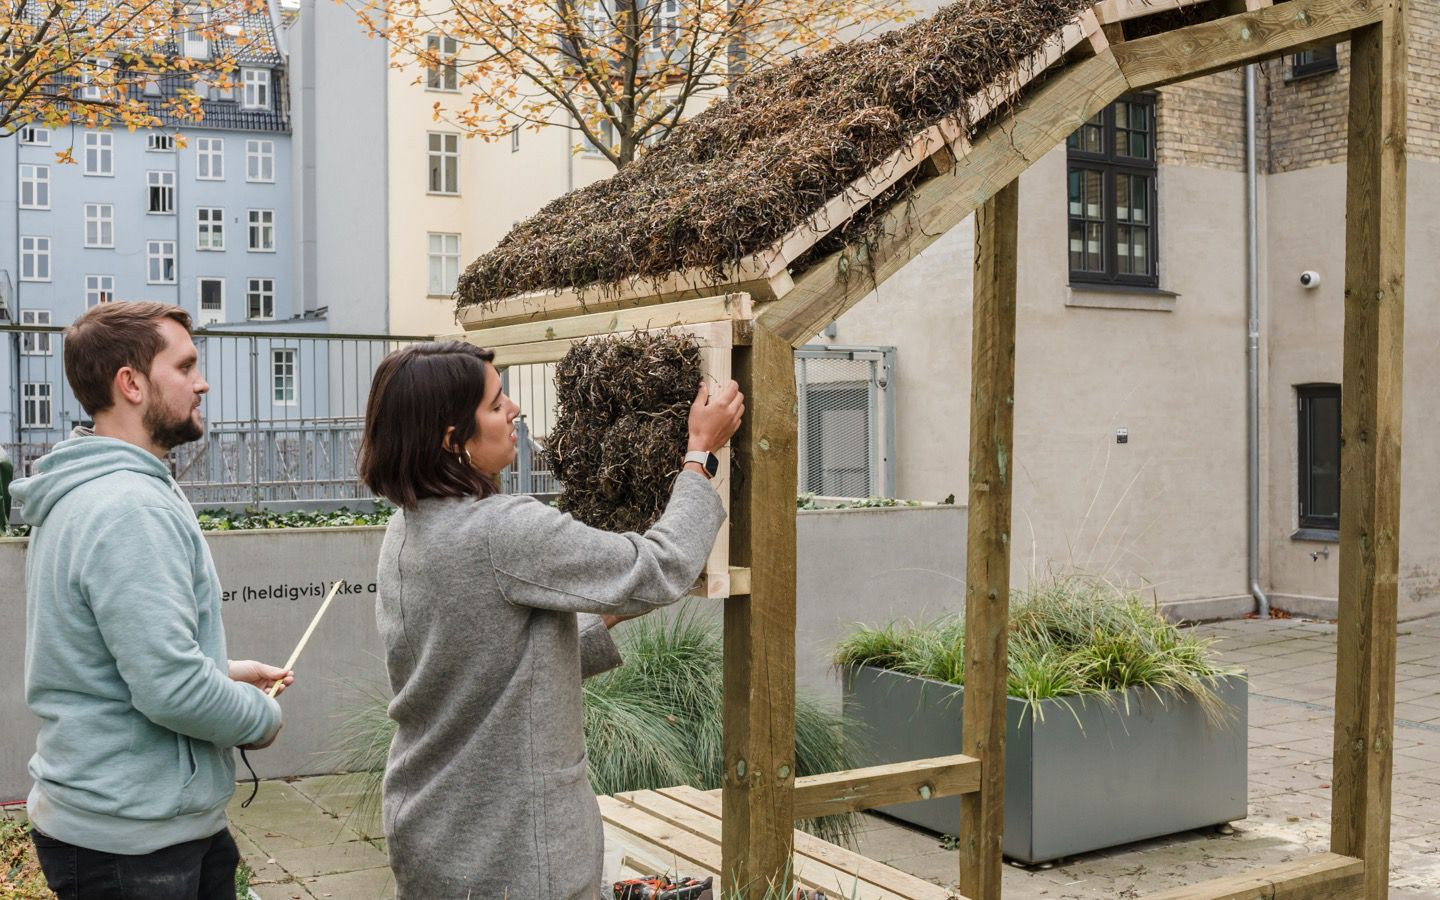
(1074,782)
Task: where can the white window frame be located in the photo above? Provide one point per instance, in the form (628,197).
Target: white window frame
(261,230)
(34,181)
(444,77)
(446,157)
(90,90)
(443,256)
(155,262)
(260,293)
(256,84)
(515,139)
(162,180)
(34,257)
(607,134)
(35,344)
(291,376)
(260,161)
(193,42)
(666,24)
(160,143)
(100,225)
(33,398)
(99,289)
(209,228)
(35,135)
(200,296)
(209,159)
(99,154)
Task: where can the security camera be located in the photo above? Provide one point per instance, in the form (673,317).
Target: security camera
(1309,279)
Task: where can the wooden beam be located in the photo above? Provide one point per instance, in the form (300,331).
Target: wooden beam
(725,307)
(1325,876)
(853,790)
(1116,11)
(999,155)
(759,678)
(987,575)
(1235,40)
(1370,447)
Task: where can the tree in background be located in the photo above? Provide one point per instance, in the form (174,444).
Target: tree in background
(100,63)
(619,73)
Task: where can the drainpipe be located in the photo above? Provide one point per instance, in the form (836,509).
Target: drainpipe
(1252,347)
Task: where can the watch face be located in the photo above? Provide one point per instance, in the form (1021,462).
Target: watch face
(712,464)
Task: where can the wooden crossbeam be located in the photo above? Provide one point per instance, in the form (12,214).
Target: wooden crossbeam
(1235,40)
(1326,876)
(853,790)
(1370,420)
(725,307)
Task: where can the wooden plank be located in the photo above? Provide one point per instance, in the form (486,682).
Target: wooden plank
(539,352)
(998,156)
(1325,876)
(808,845)
(987,576)
(716,365)
(1004,91)
(1116,11)
(759,677)
(853,790)
(1370,418)
(808,871)
(686,848)
(726,307)
(1232,41)
(739,581)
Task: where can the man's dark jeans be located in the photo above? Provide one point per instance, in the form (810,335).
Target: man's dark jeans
(194,870)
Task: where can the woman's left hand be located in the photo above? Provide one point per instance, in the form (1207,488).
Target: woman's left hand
(611,621)
(262,676)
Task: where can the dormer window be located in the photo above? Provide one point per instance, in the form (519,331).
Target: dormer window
(256,83)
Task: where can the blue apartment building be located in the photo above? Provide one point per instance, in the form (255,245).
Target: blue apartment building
(196,213)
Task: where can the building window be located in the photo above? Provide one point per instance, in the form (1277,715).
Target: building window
(1319,446)
(607,137)
(35,407)
(34,186)
(444,163)
(259,160)
(193,42)
(260,298)
(99,289)
(212,299)
(209,228)
(665,28)
(34,258)
(1314,62)
(210,159)
(152,89)
(99,153)
(99,225)
(160,256)
(1112,196)
(444,263)
(283,367)
(162,192)
(256,83)
(35,344)
(262,230)
(92,89)
(161,143)
(35,135)
(515,139)
(442,74)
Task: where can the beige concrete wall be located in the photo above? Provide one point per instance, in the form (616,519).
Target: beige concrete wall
(1166,509)
(1305,230)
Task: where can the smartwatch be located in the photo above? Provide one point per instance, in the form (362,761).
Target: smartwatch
(707,460)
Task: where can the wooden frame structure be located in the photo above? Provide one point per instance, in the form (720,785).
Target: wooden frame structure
(1085,68)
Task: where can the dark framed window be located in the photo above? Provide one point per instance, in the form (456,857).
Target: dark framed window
(1112,197)
(1319,445)
(1313,62)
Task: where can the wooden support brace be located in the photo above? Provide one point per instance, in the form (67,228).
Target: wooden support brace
(759,676)
(987,576)
(1370,447)
(1325,876)
(853,790)
(725,307)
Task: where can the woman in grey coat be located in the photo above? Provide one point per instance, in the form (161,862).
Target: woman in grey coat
(492,609)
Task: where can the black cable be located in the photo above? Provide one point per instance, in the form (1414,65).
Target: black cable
(254,779)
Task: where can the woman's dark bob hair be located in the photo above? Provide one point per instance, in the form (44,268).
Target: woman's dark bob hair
(418,392)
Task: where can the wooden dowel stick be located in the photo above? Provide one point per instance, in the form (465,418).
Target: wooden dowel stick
(275,688)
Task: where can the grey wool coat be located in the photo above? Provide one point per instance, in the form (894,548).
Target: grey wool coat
(489,614)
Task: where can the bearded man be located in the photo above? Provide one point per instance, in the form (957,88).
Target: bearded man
(125,659)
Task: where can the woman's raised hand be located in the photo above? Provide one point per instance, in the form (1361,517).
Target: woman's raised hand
(715,416)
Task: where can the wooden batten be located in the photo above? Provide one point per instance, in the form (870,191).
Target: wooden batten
(1115,11)
(854,790)
(1325,876)
(724,307)
(1082,30)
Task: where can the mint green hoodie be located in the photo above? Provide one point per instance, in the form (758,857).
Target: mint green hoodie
(125,655)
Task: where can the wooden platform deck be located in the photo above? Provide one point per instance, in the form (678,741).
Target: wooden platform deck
(677,831)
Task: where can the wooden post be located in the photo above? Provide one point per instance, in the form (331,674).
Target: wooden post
(758,800)
(1370,447)
(987,578)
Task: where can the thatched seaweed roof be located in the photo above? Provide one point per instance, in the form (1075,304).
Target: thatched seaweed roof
(756,165)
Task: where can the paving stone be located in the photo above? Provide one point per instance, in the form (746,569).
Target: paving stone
(364,884)
(263,870)
(331,859)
